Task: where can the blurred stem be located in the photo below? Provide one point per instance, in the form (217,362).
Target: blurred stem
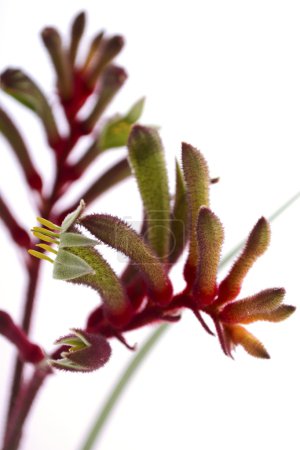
(23,405)
(33,275)
(120,386)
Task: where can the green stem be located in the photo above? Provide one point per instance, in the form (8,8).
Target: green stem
(117,390)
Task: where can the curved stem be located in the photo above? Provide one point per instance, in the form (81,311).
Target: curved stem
(116,392)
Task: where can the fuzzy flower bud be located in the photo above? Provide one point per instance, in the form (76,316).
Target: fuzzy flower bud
(82,352)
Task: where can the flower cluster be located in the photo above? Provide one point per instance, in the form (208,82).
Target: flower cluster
(144,293)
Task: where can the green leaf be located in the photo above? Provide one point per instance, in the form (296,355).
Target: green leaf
(115,132)
(119,235)
(147,160)
(197,179)
(179,224)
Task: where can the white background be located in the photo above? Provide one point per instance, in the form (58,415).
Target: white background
(223,76)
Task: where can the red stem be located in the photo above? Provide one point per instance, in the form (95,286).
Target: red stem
(25,399)
(33,273)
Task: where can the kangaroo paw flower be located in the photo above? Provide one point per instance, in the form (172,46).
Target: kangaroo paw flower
(219,301)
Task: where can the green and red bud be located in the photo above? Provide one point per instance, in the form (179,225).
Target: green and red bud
(82,352)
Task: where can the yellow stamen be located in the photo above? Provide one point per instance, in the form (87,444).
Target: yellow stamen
(48,224)
(45,238)
(47,248)
(40,255)
(46,232)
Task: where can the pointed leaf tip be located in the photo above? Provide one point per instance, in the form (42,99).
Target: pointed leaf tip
(115,132)
(241,336)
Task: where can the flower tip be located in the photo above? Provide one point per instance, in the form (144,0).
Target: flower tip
(50,37)
(138,131)
(79,24)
